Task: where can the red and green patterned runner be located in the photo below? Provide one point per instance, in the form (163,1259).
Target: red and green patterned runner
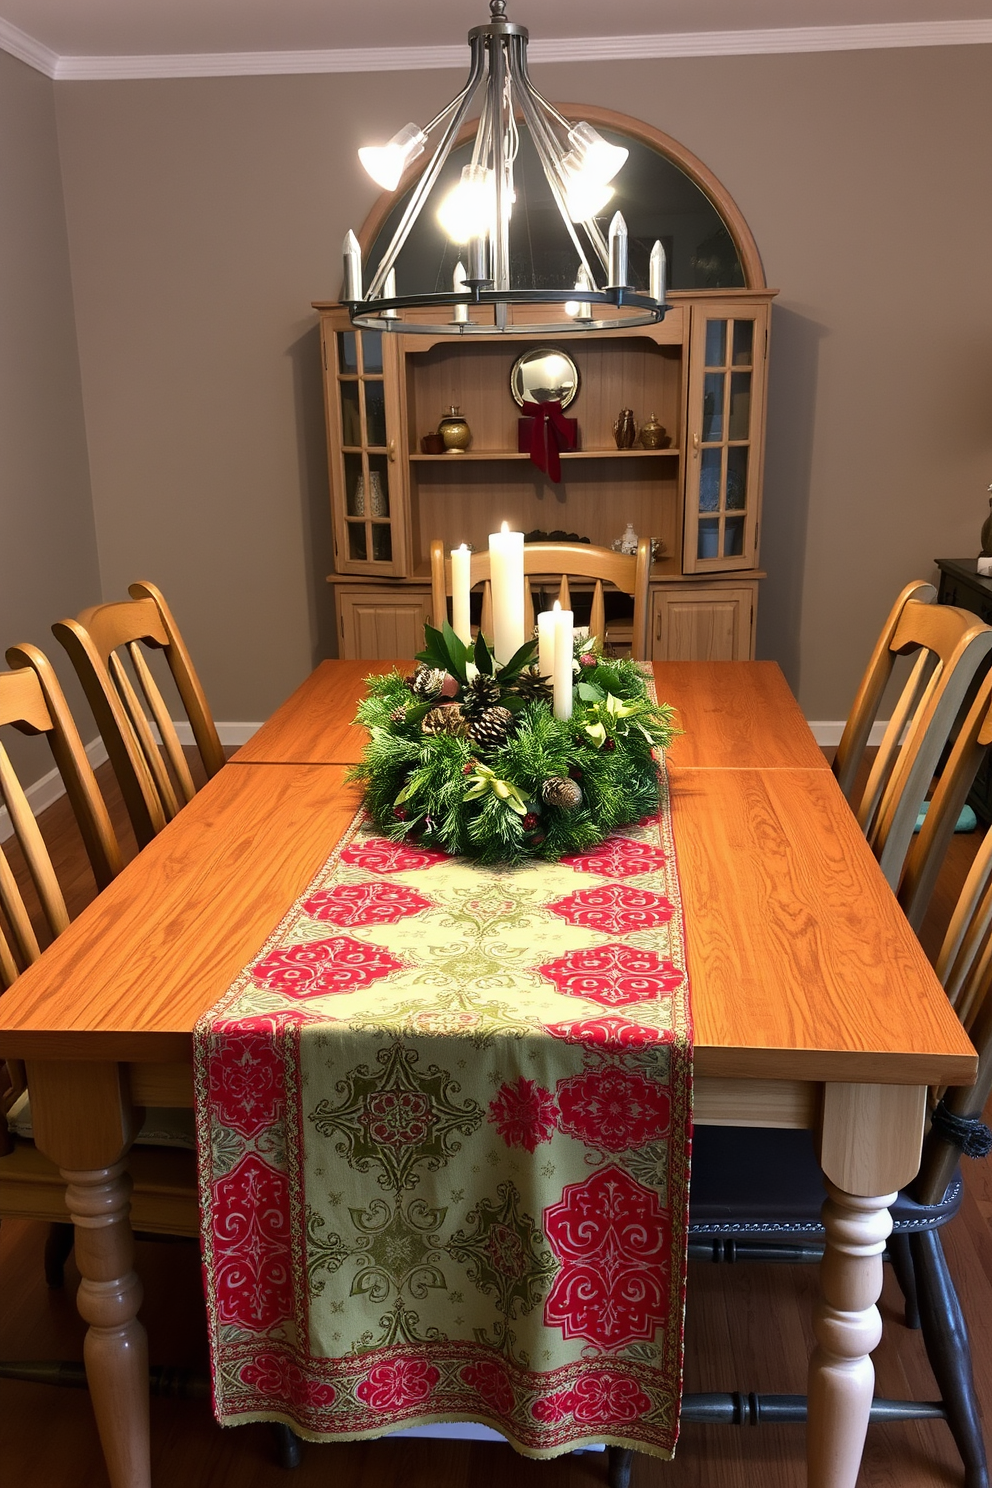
(444,1124)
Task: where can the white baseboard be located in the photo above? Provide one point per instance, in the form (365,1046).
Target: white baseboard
(828,731)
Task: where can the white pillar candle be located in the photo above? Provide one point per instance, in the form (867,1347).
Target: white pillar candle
(546,622)
(506,557)
(461,584)
(563,664)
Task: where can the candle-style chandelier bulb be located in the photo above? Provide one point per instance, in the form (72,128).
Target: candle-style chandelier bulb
(352,291)
(600,160)
(658,273)
(618,251)
(580,309)
(386,163)
(459,286)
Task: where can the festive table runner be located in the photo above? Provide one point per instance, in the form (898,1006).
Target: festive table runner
(444,1126)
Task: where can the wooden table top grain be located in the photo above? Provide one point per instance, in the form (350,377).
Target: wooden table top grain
(734,714)
(802,965)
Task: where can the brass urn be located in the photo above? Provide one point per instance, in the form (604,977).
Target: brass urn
(653,434)
(624,429)
(454,431)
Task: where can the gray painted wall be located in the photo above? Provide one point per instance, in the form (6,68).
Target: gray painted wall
(204,215)
(48,554)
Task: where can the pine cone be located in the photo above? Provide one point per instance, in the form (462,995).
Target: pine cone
(479,695)
(558,790)
(492,729)
(398,715)
(532,686)
(445,720)
(427,682)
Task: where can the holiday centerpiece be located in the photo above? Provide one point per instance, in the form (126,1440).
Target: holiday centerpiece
(540,755)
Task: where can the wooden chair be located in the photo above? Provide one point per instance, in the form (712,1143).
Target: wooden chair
(758,1194)
(155,782)
(31,1187)
(948,646)
(627,572)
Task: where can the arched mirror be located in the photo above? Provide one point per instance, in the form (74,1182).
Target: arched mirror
(663,192)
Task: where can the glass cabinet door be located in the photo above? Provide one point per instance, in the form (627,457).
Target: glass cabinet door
(723,476)
(366,477)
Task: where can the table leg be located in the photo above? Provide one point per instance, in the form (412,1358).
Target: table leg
(848,1327)
(83,1122)
(870,1142)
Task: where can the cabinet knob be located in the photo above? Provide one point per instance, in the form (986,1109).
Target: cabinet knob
(695,445)
(391,451)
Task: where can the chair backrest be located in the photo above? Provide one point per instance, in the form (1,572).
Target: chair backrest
(964,966)
(625,571)
(155,782)
(949,645)
(32,701)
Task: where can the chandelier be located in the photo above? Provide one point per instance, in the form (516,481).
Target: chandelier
(578,165)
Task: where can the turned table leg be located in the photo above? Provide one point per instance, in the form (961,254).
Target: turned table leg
(116,1346)
(83,1121)
(870,1142)
(848,1327)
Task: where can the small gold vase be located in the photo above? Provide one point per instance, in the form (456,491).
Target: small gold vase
(454,431)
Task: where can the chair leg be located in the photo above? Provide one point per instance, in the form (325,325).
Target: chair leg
(945,1334)
(58,1249)
(287,1445)
(901,1257)
(621,1460)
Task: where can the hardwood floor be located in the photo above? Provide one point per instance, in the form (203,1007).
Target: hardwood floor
(747,1328)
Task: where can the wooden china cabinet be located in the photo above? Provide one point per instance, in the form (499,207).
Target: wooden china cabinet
(702,371)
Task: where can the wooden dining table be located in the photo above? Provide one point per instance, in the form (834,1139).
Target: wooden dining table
(813,1004)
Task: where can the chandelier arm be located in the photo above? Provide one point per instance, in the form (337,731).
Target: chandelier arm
(430,175)
(545,144)
(501,234)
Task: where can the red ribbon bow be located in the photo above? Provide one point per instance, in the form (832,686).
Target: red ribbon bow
(550,434)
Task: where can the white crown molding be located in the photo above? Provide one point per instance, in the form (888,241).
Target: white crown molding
(24,47)
(567,49)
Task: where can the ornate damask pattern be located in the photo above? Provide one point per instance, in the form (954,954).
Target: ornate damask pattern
(443,1123)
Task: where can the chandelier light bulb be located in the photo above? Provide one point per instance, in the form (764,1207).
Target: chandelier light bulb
(459,286)
(578,309)
(584,198)
(467,210)
(600,159)
(386,163)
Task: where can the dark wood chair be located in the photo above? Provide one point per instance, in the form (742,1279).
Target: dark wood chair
(155,781)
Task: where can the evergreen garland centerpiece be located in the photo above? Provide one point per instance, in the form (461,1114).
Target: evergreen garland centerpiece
(467,756)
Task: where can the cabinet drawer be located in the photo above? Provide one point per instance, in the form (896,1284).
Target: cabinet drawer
(381,624)
(714,622)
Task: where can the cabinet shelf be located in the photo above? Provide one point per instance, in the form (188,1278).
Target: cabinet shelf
(614,454)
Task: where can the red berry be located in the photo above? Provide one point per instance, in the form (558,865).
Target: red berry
(587,659)
(530,821)
(609,745)
(467,769)
(400,813)
(575,772)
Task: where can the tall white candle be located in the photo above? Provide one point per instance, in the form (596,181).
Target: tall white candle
(546,622)
(506,557)
(461,584)
(563,664)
